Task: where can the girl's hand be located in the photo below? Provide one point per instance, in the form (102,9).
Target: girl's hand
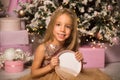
(54,62)
(78,56)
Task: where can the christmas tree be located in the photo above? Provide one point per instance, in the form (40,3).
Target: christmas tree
(98,20)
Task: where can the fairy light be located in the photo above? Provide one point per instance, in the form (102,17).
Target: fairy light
(92,34)
(84,35)
(105,47)
(41,27)
(34,29)
(27,29)
(87,40)
(93,47)
(92,40)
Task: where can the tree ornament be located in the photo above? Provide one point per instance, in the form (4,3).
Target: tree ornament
(99,36)
(110,7)
(21,13)
(0,9)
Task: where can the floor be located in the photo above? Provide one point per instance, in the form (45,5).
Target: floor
(12,76)
(112,69)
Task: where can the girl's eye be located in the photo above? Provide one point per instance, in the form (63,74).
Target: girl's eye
(57,24)
(69,27)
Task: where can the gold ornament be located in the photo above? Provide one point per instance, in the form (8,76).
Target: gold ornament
(78,19)
(0,9)
(21,13)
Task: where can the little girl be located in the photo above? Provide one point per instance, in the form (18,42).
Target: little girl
(61,35)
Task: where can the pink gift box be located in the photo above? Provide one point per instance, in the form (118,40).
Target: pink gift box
(94,57)
(14,37)
(112,53)
(14,66)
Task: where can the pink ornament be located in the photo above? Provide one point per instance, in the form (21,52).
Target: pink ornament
(95,13)
(110,7)
(99,36)
(116,40)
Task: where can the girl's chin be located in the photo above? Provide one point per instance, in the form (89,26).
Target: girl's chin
(61,40)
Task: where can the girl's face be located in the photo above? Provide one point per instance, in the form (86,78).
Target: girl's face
(62,28)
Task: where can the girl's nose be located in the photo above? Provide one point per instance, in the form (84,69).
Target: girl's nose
(62,28)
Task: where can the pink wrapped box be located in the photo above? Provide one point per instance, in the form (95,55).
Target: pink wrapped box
(14,66)
(94,57)
(14,37)
(112,53)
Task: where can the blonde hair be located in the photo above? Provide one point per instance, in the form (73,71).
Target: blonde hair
(72,42)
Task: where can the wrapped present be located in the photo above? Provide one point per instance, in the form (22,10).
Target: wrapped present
(14,66)
(14,37)
(112,54)
(93,57)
